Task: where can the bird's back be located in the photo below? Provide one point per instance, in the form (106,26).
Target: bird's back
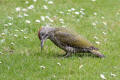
(71,38)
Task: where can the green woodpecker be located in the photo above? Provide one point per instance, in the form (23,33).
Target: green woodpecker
(68,41)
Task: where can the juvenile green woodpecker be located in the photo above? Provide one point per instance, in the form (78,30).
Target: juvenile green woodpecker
(68,41)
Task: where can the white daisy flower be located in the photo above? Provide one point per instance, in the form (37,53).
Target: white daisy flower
(54,76)
(24,9)
(5,24)
(77,13)
(27,21)
(63,26)
(105,23)
(104,33)
(69,10)
(38,21)
(82,9)
(43,67)
(72,9)
(34,0)
(93,0)
(113,75)
(50,2)
(11,18)
(42,18)
(117,13)
(61,12)
(45,7)
(94,24)
(26,14)
(2,41)
(97,42)
(59,64)
(95,13)
(102,17)
(12,43)
(0,62)
(22,30)
(26,2)
(80,66)
(1,53)
(102,76)
(16,30)
(18,9)
(82,13)
(47,17)
(61,20)
(51,20)
(15,35)
(31,7)
(2,34)
(20,16)
(25,37)
(96,37)
(10,24)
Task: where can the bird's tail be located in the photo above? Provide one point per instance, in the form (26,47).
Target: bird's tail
(97,53)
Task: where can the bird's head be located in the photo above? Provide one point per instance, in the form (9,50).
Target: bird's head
(43,34)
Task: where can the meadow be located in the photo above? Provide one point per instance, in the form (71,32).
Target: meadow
(20,54)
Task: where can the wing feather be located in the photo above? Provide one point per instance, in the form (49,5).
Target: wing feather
(74,40)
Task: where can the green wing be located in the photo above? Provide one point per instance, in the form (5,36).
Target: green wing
(71,39)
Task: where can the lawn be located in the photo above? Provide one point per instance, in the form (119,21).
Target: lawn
(20,54)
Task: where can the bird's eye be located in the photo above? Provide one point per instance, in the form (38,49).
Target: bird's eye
(42,34)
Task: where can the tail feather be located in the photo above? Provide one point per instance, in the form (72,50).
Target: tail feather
(97,53)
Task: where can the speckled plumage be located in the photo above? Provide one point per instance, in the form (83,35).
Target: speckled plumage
(68,41)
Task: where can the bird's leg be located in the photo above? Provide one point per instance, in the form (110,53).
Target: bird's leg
(67,54)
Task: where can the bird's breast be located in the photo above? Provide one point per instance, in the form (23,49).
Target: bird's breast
(57,42)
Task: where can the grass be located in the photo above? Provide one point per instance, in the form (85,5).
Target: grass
(22,58)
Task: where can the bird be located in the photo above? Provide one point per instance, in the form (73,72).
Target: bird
(67,40)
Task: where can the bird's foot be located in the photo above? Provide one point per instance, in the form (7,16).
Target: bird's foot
(64,54)
(67,55)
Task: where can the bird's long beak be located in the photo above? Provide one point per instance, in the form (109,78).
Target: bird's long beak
(42,43)
(44,38)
